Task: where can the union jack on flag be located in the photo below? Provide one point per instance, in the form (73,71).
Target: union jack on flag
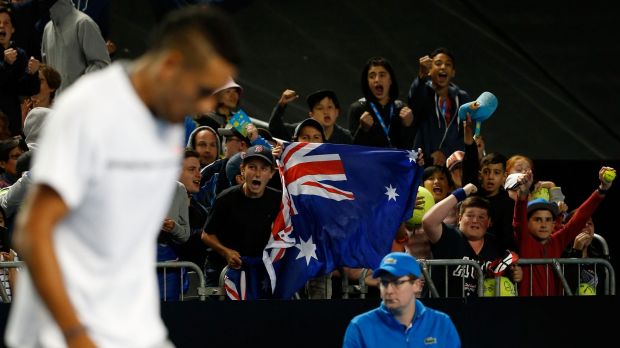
(341,206)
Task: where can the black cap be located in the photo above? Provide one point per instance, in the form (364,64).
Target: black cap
(309,122)
(232,131)
(317,96)
(258,151)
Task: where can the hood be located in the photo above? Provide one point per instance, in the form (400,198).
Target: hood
(33,125)
(61,9)
(191,142)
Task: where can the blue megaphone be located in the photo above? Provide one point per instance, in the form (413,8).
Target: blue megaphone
(479,109)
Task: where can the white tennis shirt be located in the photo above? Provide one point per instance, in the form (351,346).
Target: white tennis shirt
(115,165)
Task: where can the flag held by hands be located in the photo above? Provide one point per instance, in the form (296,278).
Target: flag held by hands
(341,206)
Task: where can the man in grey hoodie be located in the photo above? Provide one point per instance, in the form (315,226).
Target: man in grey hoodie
(72,43)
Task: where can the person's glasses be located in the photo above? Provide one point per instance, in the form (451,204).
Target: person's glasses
(396,282)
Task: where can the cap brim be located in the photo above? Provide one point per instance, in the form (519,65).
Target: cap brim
(390,270)
(226,132)
(552,207)
(258,155)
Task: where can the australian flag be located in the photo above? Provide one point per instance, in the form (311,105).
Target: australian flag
(341,206)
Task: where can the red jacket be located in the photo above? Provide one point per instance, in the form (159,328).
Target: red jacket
(544,280)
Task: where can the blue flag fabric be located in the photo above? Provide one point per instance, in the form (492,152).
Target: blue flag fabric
(341,206)
(249,282)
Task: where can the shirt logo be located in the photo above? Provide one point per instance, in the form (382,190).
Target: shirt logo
(430,340)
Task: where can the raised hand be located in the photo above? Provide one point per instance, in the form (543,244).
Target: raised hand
(10,55)
(288,96)
(425,66)
(366,120)
(406,116)
(470,189)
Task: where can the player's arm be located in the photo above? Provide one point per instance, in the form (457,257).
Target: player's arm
(42,211)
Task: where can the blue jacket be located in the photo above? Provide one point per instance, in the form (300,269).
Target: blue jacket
(379,328)
(433,133)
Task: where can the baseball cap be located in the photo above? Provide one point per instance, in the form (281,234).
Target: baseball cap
(542,204)
(259,151)
(233,166)
(229,131)
(230,84)
(455,158)
(309,122)
(398,264)
(512,181)
(317,96)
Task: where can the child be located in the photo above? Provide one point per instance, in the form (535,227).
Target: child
(534,231)
(435,101)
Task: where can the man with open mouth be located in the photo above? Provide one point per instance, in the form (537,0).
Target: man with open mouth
(232,237)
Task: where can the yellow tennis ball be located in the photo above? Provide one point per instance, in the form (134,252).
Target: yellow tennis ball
(506,287)
(609,175)
(586,289)
(429,201)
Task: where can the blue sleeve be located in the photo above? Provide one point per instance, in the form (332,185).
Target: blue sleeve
(352,337)
(261,141)
(453,339)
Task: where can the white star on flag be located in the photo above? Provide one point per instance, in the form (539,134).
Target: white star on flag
(307,250)
(413,156)
(391,192)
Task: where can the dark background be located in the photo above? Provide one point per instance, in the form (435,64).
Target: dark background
(506,322)
(553,66)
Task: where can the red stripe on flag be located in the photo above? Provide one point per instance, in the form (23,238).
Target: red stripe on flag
(231,292)
(329,189)
(292,151)
(313,168)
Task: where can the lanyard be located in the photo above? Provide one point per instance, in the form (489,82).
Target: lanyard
(443,110)
(385,129)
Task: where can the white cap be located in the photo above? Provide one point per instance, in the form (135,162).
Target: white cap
(230,84)
(512,181)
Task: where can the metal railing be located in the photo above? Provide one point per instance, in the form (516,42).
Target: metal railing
(360,288)
(603,243)
(557,267)
(427,265)
(4,294)
(165,265)
(203,291)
